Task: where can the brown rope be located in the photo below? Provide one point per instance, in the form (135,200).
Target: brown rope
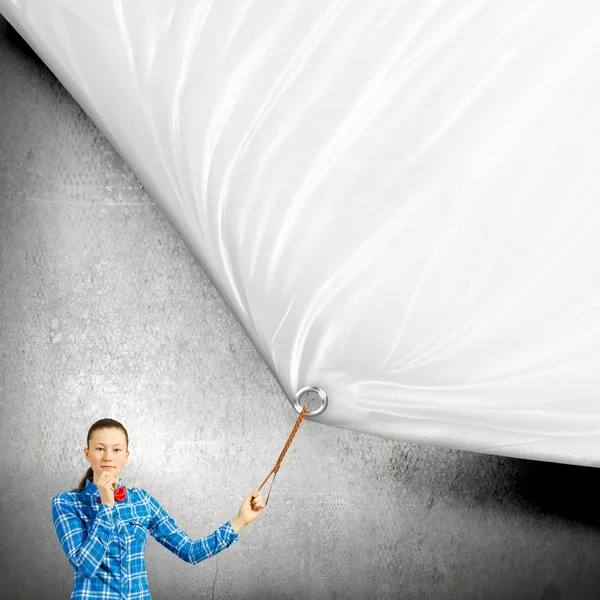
(285,449)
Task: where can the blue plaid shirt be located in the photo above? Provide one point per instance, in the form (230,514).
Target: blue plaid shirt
(105,544)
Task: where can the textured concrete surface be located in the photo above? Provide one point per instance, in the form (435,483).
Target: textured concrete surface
(105,313)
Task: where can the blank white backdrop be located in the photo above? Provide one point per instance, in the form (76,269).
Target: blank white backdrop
(397,200)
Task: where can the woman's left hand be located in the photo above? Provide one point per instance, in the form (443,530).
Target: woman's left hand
(251,507)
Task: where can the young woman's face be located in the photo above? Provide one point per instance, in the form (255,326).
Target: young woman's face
(108,448)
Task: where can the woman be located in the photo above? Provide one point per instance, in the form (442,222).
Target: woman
(102,525)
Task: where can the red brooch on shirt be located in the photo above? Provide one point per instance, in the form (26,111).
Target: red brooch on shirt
(120,494)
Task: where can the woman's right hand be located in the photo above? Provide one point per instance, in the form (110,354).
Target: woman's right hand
(105,487)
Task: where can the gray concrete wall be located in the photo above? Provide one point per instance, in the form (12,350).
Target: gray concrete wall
(105,313)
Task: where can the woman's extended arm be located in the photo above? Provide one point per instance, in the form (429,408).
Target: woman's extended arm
(85,550)
(237,523)
(165,531)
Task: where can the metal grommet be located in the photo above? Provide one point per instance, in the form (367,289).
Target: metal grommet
(310,388)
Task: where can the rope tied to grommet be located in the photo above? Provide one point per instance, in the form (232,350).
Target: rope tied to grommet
(275,469)
(303,412)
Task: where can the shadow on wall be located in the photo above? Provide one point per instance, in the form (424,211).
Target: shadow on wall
(566,491)
(563,491)
(18,44)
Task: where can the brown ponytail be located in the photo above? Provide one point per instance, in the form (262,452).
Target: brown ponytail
(89,475)
(101,424)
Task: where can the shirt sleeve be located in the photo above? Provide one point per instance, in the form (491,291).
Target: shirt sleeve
(84,549)
(164,530)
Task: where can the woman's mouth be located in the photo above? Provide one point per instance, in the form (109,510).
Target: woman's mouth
(107,467)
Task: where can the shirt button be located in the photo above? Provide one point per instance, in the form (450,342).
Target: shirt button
(120,531)
(123,565)
(123,547)
(123,584)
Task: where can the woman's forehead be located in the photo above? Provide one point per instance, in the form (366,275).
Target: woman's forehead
(108,437)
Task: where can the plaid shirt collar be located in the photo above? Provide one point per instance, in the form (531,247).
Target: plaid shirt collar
(92,489)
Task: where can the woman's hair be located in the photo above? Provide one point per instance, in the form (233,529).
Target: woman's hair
(101,424)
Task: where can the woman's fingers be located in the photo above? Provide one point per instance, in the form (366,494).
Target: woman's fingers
(257,500)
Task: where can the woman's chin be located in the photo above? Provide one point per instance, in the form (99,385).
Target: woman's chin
(112,471)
